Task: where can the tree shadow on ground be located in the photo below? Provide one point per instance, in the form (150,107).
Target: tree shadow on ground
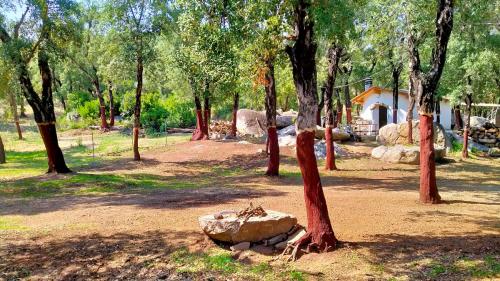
(119,256)
(427,257)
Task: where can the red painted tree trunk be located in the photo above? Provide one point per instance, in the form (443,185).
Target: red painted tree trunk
(330,150)
(102,105)
(199,132)
(428,188)
(272,136)
(55,157)
(111,105)
(319,228)
(236,101)
(320,235)
(273,165)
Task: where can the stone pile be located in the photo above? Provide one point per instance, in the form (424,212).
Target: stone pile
(252,228)
(404,154)
(220,129)
(487,134)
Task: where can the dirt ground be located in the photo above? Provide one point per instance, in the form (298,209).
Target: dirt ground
(385,233)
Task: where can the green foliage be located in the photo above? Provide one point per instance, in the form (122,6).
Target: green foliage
(154,114)
(89,110)
(78,99)
(180,112)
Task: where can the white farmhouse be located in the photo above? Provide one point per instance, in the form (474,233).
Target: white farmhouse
(376,108)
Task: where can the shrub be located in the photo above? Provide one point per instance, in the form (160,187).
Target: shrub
(89,110)
(180,112)
(153,114)
(78,99)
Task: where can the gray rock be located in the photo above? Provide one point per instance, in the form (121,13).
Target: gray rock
(287,131)
(320,150)
(494,152)
(240,246)
(276,239)
(379,151)
(337,134)
(392,134)
(235,230)
(283,121)
(263,250)
(477,121)
(247,122)
(404,155)
(291,239)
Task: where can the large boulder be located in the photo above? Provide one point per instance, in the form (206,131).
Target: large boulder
(283,121)
(337,134)
(247,122)
(477,121)
(287,131)
(287,140)
(226,226)
(404,155)
(252,122)
(392,134)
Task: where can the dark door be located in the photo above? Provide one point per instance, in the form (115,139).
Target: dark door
(382,116)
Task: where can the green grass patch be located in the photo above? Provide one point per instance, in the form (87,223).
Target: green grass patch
(220,262)
(8,223)
(92,184)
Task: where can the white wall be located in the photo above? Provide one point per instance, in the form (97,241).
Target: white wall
(386,98)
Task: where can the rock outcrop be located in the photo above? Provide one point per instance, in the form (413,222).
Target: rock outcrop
(251,122)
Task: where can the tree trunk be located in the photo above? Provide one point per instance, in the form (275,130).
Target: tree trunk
(321,105)
(347,102)
(54,153)
(15,116)
(236,102)
(102,105)
(320,235)
(2,151)
(425,85)
(22,109)
(111,104)
(199,132)
(340,108)
(409,116)
(46,124)
(428,188)
(459,124)
(395,94)
(137,109)
(334,52)
(468,106)
(206,116)
(438,110)
(272,136)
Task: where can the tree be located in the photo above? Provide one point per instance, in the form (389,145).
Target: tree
(263,53)
(20,49)
(2,151)
(10,87)
(472,60)
(320,235)
(137,23)
(424,85)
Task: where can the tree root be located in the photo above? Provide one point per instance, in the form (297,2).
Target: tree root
(304,246)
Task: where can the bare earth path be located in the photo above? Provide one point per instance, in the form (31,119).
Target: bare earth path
(373,206)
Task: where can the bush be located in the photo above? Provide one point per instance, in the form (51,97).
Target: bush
(89,110)
(180,112)
(153,114)
(78,99)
